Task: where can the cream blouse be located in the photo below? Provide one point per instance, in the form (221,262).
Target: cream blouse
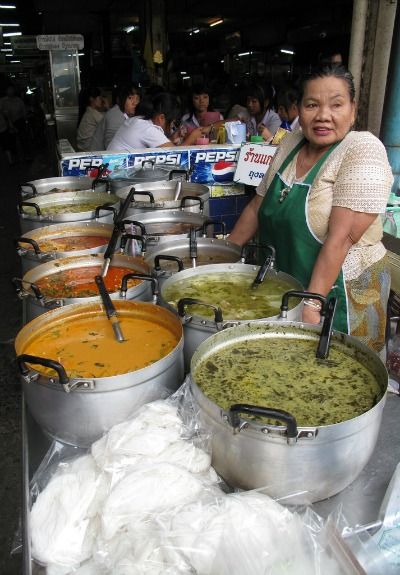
(356,175)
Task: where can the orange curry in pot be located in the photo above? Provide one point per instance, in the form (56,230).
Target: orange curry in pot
(69,243)
(79,282)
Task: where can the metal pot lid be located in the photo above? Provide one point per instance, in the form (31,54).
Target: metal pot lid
(59,184)
(209,251)
(167,191)
(167,222)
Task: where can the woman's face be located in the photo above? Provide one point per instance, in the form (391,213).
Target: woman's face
(201,102)
(130,104)
(326,112)
(253,106)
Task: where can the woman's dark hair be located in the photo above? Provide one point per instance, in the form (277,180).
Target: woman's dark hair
(84,99)
(124,91)
(256,91)
(196,90)
(329,71)
(287,97)
(164,103)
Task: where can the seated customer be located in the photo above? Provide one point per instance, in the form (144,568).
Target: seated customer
(154,126)
(200,103)
(287,104)
(126,100)
(91,111)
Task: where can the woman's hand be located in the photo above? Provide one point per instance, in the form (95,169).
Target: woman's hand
(265,133)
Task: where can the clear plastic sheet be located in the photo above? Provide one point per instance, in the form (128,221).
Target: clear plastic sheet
(144,500)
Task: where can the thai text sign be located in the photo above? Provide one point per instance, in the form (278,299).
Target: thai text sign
(60,42)
(253,162)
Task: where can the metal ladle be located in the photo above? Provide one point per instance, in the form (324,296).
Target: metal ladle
(109,309)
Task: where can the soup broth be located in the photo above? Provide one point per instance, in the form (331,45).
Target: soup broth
(284,374)
(79,282)
(232,293)
(69,243)
(86,346)
(73,207)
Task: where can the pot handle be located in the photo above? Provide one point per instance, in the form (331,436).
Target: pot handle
(31,205)
(19,288)
(50,363)
(191,301)
(246,248)
(185,199)
(124,223)
(133,276)
(279,414)
(140,239)
(211,223)
(29,241)
(175,259)
(29,185)
(300,294)
(147,194)
(263,270)
(106,207)
(182,172)
(101,181)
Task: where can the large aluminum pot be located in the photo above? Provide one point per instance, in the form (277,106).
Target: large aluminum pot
(61,184)
(148,171)
(167,195)
(165,225)
(170,257)
(35,303)
(196,327)
(78,410)
(45,244)
(305,464)
(68,207)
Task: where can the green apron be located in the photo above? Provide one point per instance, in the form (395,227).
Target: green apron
(283,223)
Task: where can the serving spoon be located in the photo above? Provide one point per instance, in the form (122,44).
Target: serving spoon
(110,309)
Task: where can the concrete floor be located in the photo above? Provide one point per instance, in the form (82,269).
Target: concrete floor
(42,165)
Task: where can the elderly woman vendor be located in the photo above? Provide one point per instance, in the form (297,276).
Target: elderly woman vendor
(319,205)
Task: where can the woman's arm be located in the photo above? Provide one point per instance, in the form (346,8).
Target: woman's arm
(346,227)
(247,224)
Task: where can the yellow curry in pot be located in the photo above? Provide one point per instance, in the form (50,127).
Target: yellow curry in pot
(86,346)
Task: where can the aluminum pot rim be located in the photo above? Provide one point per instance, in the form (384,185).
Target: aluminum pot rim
(46,199)
(204,323)
(94,259)
(109,383)
(64,229)
(308,331)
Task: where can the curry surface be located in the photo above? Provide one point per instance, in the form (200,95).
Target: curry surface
(87,347)
(73,207)
(69,243)
(232,292)
(79,282)
(284,374)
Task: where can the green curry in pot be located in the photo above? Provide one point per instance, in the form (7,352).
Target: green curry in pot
(284,374)
(232,292)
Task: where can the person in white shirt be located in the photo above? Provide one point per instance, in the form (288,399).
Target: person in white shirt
(154,126)
(126,100)
(287,106)
(264,120)
(200,103)
(92,108)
